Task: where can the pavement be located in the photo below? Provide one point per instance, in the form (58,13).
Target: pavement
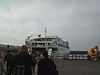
(77,67)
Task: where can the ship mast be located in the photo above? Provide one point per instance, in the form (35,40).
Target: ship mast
(45,31)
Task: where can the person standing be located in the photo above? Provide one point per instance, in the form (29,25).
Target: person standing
(22,64)
(46,66)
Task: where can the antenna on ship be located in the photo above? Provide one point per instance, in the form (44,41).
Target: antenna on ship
(45,31)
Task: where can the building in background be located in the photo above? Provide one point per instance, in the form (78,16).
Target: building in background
(4,47)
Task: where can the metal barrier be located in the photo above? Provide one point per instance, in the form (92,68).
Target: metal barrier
(76,56)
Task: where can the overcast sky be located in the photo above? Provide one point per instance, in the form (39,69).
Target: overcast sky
(76,21)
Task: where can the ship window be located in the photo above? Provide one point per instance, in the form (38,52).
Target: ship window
(33,44)
(46,39)
(43,39)
(49,44)
(61,45)
(42,44)
(38,39)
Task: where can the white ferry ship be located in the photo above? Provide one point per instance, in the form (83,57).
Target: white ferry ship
(53,44)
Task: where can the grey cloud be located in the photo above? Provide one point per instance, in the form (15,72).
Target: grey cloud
(74,20)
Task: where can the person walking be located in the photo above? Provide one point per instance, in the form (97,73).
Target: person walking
(22,64)
(34,55)
(2,66)
(46,66)
(8,60)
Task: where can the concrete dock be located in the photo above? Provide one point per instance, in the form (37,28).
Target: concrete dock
(78,67)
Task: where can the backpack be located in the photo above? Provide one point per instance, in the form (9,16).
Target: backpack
(20,70)
(20,66)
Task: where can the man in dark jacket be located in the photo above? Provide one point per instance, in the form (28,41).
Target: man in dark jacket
(23,62)
(46,66)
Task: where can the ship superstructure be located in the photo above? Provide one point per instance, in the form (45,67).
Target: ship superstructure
(53,44)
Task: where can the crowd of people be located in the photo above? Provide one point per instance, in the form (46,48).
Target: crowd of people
(23,63)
